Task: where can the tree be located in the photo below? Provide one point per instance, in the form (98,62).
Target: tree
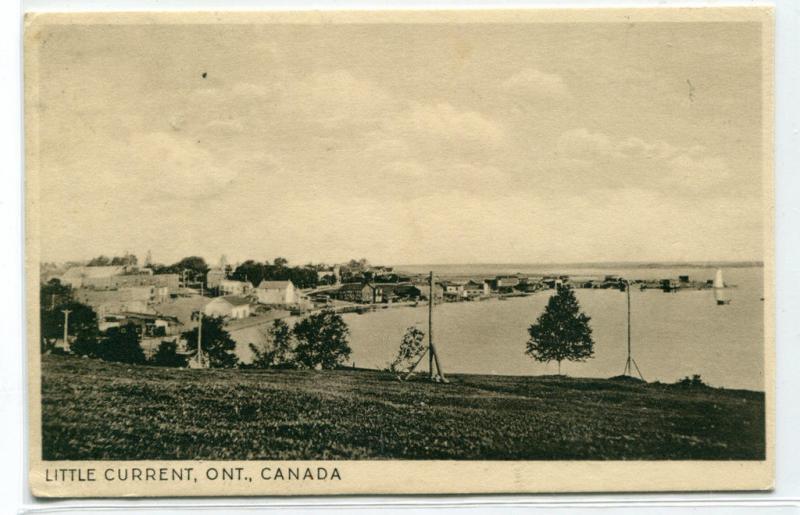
(122,345)
(195,265)
(280,262)
(562,332)
(167,355)
(322,340)
(250,271)
(99,261)
(276,349)
(411,348)
(216,342)
(127,259)
(82,322)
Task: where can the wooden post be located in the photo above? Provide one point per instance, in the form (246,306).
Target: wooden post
(200,341)
(628,292)
(433,357)
(66,327)
(430,325)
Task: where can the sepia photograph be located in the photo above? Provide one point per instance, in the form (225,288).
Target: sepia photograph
(416,240)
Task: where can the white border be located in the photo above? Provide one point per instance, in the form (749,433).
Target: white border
(13,490)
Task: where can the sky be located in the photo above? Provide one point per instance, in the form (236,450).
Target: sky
(402,143)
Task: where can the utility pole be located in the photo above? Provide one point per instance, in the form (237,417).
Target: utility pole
(433,357)
(430,325)
(66,327)
(630,363)
(200,341)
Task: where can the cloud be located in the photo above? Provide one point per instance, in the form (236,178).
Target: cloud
(535,85)
(162,165)
(442,122)
(598,160)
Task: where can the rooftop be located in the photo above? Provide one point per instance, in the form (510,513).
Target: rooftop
(236,300)
(274,285)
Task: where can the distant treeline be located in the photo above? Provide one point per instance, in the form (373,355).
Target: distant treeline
(278,270)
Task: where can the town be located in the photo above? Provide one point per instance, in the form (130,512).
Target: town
(164,302)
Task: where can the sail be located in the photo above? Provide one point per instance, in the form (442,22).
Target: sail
(718,282)
(721,296)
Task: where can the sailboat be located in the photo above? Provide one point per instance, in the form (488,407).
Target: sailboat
(720,290)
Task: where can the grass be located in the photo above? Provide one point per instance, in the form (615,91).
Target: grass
(106,411)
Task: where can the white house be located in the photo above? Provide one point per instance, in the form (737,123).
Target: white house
(476,289)
(230,306)
(76,275)
(231,287)
(277,292)
(453,289)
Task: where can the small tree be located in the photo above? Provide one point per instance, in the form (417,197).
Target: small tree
(87,344)
(82,322)
(411,348)
(562,332)
(216,342)
(122,345)
(322,340)
(276,349)
(167,355)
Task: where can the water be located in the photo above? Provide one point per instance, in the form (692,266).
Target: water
(673,334)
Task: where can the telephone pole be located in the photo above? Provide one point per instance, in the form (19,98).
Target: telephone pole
(433,357)
(66,327)
(630,363)
(200,341)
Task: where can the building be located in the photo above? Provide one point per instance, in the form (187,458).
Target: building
(182,308)
(231,287)
(399,291)
(277,292)
(350,292)
(329,275)
(425,288)
(474,289)
(147,324)
(214,278)
(76,275)
(229,306)
(140,299)
(453,290)
(127,280)
(360,292)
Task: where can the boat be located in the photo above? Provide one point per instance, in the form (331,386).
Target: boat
(720,289)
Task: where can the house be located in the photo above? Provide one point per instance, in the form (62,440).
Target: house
(453,290)
(147,324)
(129,280)
(231,287)
(372,293)
(508,281)
(399,291)
(229,306)
(552,281)
(425,288)
(182,308)
(358,292)
(76,275)
(350,292)
(474,289)
(277,292)
(214,278)
(134,299)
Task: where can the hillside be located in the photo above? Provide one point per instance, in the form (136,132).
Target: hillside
(97,410)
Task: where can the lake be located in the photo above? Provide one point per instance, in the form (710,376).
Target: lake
(673,334)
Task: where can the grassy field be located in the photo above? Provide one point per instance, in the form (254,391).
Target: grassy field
(98,410)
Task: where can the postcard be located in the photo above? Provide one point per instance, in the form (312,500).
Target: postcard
(399,252)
